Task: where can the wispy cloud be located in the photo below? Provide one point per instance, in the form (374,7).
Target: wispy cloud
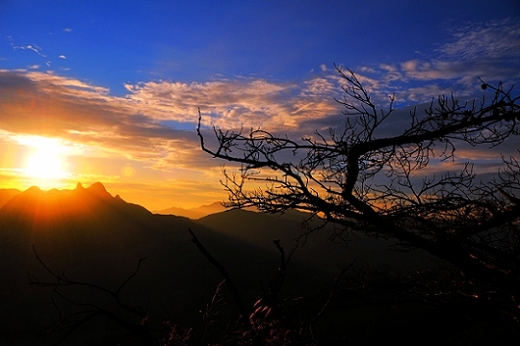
(486,50)
(235,103)
(31,47)
(491,40)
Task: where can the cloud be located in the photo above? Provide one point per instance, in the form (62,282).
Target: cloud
(62,57)
(67,30)
(31,47)
(432,70)
(235,103)
(476,50)
(49,105)
(154,122)
(491,40)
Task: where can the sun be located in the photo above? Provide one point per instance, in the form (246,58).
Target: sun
(45,165)
(45,162)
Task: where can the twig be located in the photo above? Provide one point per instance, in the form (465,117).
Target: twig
(222,270)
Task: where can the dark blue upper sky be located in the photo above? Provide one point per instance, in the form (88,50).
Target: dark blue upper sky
(114,42)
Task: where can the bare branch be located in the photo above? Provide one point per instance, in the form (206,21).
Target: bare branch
(222,270)
(455,216)
(89,311)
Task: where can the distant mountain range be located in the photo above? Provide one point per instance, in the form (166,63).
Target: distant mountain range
(191,213)
(93,236)
(194,213)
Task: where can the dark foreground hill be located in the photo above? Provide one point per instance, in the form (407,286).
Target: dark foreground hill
(94,237)
(97,238)
(317,249)
(88,235)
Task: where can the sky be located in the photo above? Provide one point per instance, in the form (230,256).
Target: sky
(109,90)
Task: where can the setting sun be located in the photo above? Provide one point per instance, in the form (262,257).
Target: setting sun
(45,161)
(45,165)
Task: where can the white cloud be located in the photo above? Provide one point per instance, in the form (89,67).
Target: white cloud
(31,47)
(62,57)
(477,50)
(142,123)
(233,103)
(492,40)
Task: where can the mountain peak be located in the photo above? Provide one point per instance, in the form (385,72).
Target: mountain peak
(34,190)
(98,189)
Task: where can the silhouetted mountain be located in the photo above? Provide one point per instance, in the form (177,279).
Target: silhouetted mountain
(43,209)
(98,238)
(7,194)
(194,213)
(88,235)
(316,248)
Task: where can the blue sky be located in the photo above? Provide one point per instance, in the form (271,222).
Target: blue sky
(114,42)
(119,82)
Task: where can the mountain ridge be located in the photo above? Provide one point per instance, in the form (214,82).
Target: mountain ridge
(193,213)
(97,238)
(7,194)
(98,189)
(40,207)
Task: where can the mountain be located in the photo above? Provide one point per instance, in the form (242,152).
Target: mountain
(194,213)
(7,194)
(91,236)
(316,249)
(37,206)
(88,235)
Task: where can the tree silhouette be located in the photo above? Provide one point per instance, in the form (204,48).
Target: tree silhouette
(130,318)
(472,224)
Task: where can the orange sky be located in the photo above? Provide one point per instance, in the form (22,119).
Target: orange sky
(142,146)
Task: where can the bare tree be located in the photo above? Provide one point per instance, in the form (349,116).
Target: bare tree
(379,184)
(130,318)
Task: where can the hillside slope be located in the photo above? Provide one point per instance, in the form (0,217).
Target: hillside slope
(95,237)
(193,213)
(317,248)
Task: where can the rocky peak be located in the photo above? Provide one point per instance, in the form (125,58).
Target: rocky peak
(99,190)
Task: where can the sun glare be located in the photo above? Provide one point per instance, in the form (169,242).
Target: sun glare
(44,165)
(45,162)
